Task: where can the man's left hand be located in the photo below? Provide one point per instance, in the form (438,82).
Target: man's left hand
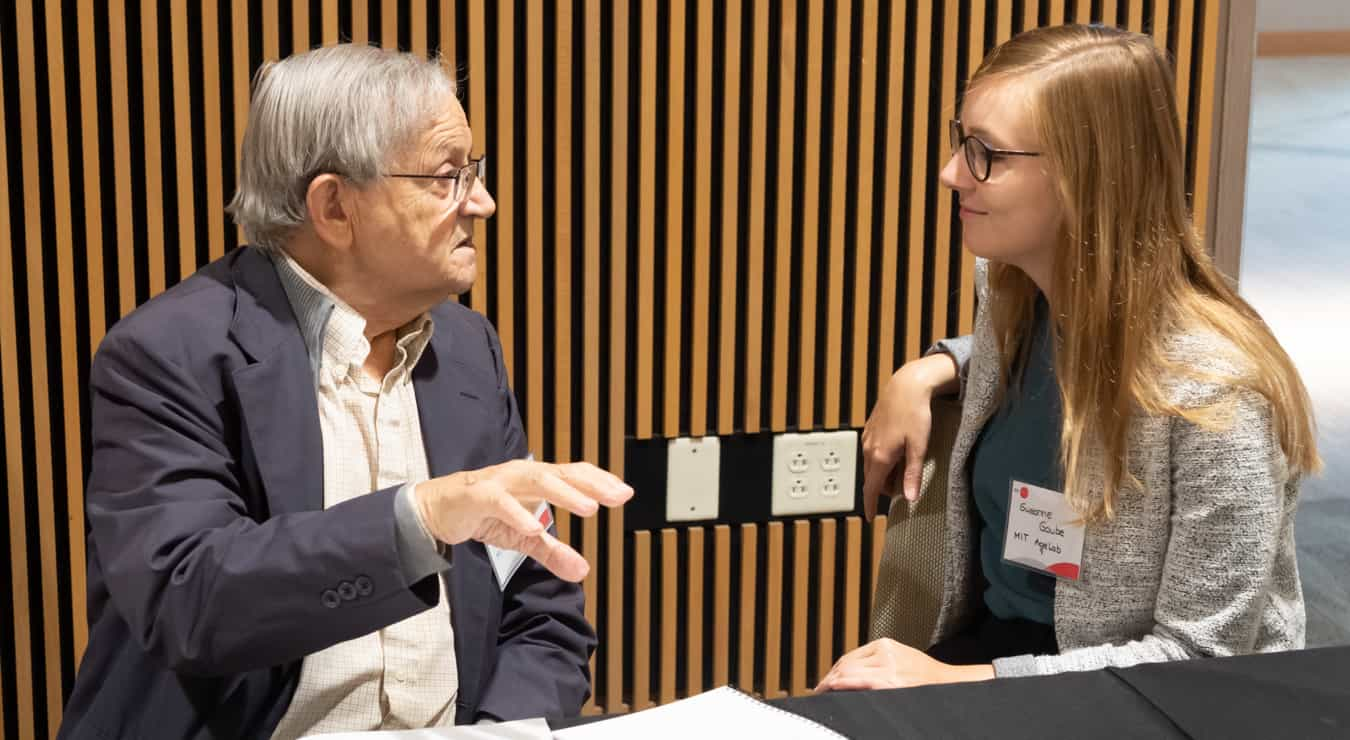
(887,664)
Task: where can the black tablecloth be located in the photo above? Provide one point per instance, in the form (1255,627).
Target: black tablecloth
(1303,694)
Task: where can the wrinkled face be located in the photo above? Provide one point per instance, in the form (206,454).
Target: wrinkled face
(1014,216)
(411,237)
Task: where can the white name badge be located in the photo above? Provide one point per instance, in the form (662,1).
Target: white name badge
(505,562)
(1042,533)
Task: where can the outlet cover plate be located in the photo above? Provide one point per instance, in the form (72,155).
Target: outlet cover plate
(814,472)
(692,468)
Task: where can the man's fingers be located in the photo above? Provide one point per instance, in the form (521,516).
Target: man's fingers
(914,454)
(601,485)
(540,481)
(560,560)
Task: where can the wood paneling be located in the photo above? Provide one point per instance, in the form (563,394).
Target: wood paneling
(712,218)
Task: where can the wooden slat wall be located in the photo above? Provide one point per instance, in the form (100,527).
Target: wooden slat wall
(730,224)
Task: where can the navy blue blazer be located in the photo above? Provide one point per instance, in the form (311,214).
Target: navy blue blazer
(210,550)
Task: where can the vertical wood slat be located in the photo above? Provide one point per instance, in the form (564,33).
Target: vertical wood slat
(1056,13)
(852,581)
(787,86)
(1110,12)
(1185,41)
(534,231)
(862,245)
(450,55)
(562,411)
(271,31)
(809,234)
(721,653)
(702,236)
(68,299)
(731,174)
(839,187)
(891,196)
(773,616)
(154,165)
(825,604)
(670,568)
(117,80)
(878,540)
(477,81)
(642,619)
(646,222)
(801,564)
(299,26)
(618,340)
(417,26)
(1029,15)
(693,611)
(1161,9)
(360,23)
(14,459)
(37,331)
(389,25)
(918,186)
(211,131)
(92,175)
(593,113)
(330,22)
(943,227)
(1136,17)
(676,169)
(1003,31)
(501,173)
(182,135)
(1206,90)
(1082,11)
(965,321)
(758,155)
(745,655)
(242,73)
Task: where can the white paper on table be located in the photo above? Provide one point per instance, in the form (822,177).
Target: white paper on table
(722,712)
(524,729)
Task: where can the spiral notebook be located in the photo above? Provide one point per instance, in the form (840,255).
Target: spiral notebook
(722,712)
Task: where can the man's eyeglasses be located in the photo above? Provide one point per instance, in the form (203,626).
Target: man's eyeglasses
(461,181)
(979,155)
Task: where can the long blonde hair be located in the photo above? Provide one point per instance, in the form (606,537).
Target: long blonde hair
(1131,271)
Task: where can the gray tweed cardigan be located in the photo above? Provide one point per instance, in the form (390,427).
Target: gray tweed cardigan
(1200,564)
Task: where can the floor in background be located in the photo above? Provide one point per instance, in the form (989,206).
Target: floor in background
(1296,272)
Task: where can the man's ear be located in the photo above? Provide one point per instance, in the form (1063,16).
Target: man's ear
(330,210)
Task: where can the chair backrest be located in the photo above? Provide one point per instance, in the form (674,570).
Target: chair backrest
(909,578)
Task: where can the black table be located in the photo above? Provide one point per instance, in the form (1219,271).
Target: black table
(1303,694)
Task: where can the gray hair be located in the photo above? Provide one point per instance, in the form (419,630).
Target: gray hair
(344,109)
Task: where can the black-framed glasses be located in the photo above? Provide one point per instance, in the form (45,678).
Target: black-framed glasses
(461,180)
(979,155)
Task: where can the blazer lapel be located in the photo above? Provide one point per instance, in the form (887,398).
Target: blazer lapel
(276,392)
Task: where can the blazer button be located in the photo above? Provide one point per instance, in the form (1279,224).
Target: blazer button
(363,586)
(330,598)
(346,590)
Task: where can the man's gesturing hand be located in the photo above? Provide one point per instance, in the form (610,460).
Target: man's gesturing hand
(495,506)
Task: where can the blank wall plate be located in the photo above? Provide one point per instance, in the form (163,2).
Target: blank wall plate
(692,465)
(814,472)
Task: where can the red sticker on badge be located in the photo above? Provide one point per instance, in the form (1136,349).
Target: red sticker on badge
(546,518)
(1065,570)
(1025,492)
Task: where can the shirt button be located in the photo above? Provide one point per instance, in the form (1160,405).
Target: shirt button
(346,590)
(364,586)
(330,598)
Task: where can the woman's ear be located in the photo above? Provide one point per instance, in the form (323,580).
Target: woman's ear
(330,210)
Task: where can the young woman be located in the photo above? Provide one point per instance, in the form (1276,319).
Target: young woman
(1114,374)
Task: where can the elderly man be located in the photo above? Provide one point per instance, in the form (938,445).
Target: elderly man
(302,452)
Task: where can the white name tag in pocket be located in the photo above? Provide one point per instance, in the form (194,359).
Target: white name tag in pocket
(1043,532)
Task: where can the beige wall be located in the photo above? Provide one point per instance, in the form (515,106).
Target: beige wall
(1302,15)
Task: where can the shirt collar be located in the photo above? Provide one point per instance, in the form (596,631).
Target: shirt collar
(334,330)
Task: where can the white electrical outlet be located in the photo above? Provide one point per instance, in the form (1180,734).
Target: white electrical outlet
(692,478)
(814,472)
